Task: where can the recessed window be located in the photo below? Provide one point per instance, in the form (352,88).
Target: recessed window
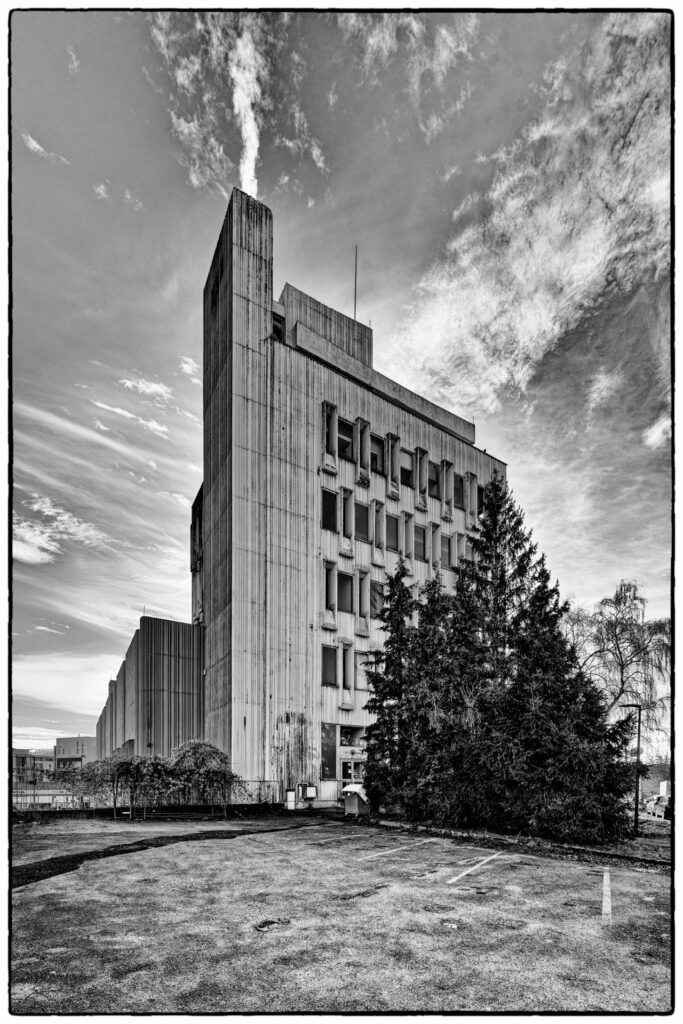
(330,414)
(363,595)
(347,525)
(345,439)
(376,454)
(330,589)
(329,510)
(433,485)
(445,552)
(362,522)
(480,500)
(458,491)
(376,598)
(347,668)
(406,466)
(392,532)
(421,543)
(345,592)
(329,666)
(278,327)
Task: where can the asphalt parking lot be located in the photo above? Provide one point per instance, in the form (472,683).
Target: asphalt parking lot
(331,916)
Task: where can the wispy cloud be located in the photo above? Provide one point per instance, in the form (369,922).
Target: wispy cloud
(153,425)
(102,191)
(34,147)
(74,62)
(247,67)
(427,51)
(40,541)
(659,433)
(568,221)
(130,200)
(161,393)
(190,368)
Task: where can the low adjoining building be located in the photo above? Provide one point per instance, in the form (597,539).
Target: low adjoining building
(156,701)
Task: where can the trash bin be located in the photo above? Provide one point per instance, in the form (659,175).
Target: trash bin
(355,800)
(291,799)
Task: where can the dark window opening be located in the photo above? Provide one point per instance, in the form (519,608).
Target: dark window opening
(392,532)
(434,487)
(329,430)
(421,543)
(278,327)
(347,669)
(376,454)
(406,477)
(329,666)
(345,592)
(329,510)
(362,522)
(329,586)
(480,499)
(376,598)
(458,491)
(445,552)
(345,440)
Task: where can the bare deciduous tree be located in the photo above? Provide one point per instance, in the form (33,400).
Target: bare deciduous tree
(628,655)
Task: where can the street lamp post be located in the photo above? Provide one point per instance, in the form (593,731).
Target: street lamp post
(639,708)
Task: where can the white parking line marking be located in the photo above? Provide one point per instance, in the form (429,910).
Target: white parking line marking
(606,899)
(395,849)
(335,838)
(474,867)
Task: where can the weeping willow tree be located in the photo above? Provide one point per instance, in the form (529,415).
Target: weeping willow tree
(627,655)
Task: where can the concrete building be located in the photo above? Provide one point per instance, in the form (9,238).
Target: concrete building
(156,701)
(318,473)
(75,751)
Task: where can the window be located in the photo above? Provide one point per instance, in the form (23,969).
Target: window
(392,532)
(480,500)
(347,736)
(392,457)
(329,666)
(363,595)
(421,543)
(328,751)
(362,450)
(376,598)
(330,414)
(433,487)
(376,454)
(345,439)
(360,681)
(458,491)
(329,510)
(406,465)
(445,552)
(278,327)
(378,537)
(345,592)
(347,668)
(330,589)
(407,535)
(362,522)
(347,524)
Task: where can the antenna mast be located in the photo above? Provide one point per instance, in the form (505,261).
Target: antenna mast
(355,280)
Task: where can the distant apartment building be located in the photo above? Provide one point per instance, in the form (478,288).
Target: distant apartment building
(74,751)
(319,474)
(32,784)
(156,701)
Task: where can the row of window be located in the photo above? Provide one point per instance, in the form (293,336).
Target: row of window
(354,442)
(399,533)
(346,666)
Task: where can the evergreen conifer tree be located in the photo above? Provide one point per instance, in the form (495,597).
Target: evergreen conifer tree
(389,737)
